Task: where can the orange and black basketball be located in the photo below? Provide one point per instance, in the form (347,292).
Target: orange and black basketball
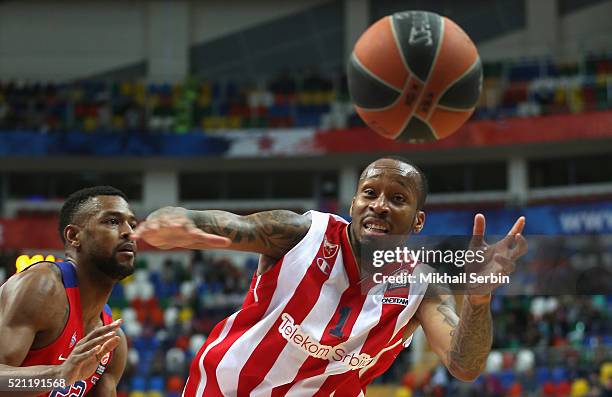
(414,76)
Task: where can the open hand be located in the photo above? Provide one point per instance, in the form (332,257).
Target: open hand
(499,258)
(86,355)
(171,227)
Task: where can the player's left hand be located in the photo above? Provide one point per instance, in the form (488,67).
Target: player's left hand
(88,352)
(499,258)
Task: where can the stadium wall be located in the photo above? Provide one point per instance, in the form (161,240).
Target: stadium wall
(582,31)
(214,19)
(66,39)
(139,38)
(120,35)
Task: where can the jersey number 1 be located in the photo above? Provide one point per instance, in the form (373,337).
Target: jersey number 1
(337,330)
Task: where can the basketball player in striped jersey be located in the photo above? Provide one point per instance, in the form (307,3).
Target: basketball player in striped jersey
(307,327)
(54,321)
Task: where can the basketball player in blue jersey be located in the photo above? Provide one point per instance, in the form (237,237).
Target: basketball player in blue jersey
(389,200)
(54,322)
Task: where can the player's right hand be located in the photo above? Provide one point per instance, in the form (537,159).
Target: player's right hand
(86,355)
(171,227)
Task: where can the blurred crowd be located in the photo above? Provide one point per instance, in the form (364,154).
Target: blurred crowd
(543,345)
(542,87)
(288,100)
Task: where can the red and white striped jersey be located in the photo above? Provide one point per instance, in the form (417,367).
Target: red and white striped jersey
(306,327)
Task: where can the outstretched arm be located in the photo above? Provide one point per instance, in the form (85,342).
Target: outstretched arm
(463,342)
(271,233)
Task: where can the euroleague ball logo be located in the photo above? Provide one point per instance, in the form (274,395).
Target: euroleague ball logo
(420,33)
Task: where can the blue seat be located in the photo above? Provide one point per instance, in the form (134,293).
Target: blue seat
(279,111)
(558,374)
(117,292)
(139,383)
(542,375)
(507,378)
(157,383)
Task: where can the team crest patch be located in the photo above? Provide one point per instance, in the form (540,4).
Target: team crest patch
(72,341)
(329,249)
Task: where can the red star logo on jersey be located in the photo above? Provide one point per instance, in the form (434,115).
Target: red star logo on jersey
(329,250)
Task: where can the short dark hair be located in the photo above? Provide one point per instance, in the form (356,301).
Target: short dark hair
(75,201)
(424,186)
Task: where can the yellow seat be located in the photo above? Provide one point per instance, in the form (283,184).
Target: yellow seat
(126,88)
(118,122)
(306,98)
(90,124)
(186,314)
(204,100)
(222,122)
(560,96)
(318,97)
(403,392)
(605,373)
(208,123)
(139,90)
(580,388)
(152,100)
(235,122)
(576,100)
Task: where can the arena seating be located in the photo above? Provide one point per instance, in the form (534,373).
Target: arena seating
(512,89)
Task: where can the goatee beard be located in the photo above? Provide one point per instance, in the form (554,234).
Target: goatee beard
(114,269)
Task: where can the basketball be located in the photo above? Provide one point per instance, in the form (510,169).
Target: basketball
(414,76)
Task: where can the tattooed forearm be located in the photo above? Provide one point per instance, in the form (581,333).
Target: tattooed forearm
(447,309)
(471,340)
(272,233)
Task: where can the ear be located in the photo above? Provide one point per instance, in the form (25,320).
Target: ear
(419,222)
(351,209)
(72,234)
